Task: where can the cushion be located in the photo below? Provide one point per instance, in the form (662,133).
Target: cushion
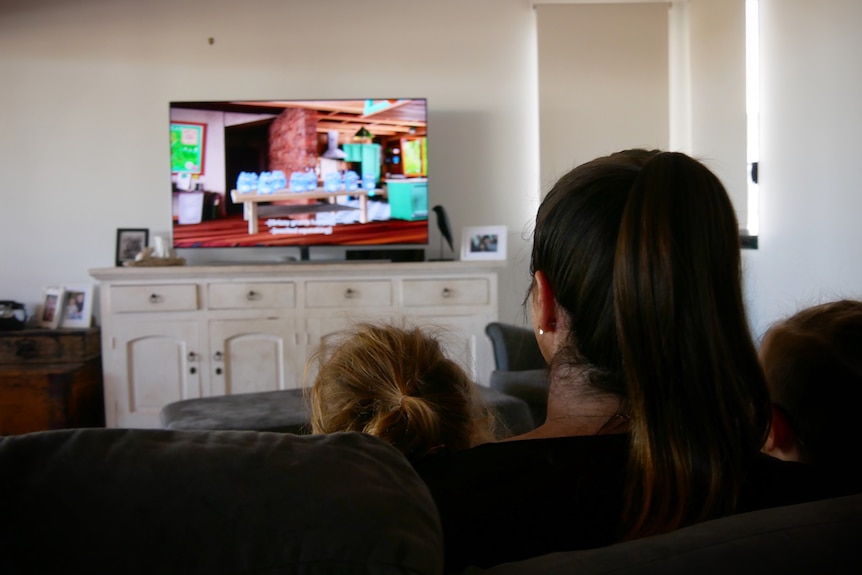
(285,411)
(815,537)
(219,502)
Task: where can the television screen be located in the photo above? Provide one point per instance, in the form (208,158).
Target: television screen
(299,173)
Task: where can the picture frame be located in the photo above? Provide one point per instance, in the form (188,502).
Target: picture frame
(77,310)
(483,243)
(130,242)
(51,308)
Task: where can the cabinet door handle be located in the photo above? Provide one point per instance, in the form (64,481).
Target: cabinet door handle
(217,356)
(252,295)
(349,294)
(446,293)
(192,356)
(193,370)
(155,298)
(218,371)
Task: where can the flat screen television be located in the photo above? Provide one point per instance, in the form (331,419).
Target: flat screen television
(299,173)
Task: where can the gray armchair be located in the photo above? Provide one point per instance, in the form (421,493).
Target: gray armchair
(520,370)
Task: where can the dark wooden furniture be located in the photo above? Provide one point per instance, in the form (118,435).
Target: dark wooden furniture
(50,379)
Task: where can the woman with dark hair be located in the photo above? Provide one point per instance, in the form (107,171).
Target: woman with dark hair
(657,406)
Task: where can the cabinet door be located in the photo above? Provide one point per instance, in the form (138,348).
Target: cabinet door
(255,355)
(464,339)
(149,364)
(408,199)
(368,155)
(319,328)
(371,161)
(462,307)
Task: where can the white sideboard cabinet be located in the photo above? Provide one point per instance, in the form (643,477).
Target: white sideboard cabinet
(173,333)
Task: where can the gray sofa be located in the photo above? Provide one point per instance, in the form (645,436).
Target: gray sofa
(121,502)
(246,502)
(808,538)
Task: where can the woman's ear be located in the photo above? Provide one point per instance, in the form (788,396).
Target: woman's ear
(782,442)
(546,317)
(544,305)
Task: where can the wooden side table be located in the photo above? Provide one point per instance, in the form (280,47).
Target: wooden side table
(50,379)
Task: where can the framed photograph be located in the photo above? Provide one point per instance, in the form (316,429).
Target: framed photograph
(51,308)
(130,242)
(484,243)
(77,308)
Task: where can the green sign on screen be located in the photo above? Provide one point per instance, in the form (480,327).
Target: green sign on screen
(187,147)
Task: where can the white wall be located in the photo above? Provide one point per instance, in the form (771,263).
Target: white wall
(667,75)
(603,82)
(810,190)
(717,76)
(86,86)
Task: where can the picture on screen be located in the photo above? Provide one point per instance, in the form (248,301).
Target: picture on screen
(299,173)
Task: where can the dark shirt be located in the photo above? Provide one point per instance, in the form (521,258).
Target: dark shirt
(509,501)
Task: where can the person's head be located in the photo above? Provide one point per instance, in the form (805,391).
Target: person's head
(397,384)
(813,366)
(637,293)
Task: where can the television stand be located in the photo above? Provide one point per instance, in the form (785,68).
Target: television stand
(179,332)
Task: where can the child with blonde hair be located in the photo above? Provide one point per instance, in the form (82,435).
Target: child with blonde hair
(397,384)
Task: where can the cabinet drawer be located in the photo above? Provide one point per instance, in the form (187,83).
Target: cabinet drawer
(348,294)
(49,345)
(51,396)
(422,293)
(176,297)
(251,295)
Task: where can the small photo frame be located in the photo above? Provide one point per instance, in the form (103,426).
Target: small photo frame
(51,308)
(483,243)
(131,242)
(77,305)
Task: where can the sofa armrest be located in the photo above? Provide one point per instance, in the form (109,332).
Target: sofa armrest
(212,502)
(530,385)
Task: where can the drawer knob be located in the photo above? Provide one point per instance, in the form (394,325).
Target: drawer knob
(218,371)
(446,292)
(155,298)
(192,356)
(217,356)
(252,295)
(349,294)
(193,370)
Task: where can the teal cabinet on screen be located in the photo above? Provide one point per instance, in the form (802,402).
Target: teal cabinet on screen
(408,199)
(366,154)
